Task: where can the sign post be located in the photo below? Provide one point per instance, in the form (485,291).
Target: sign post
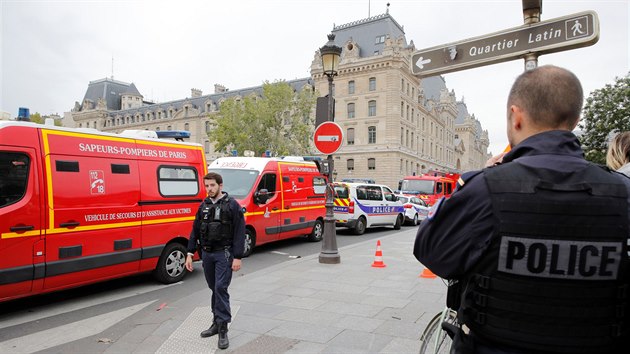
(555,35)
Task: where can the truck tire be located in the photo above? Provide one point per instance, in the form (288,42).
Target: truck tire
(359,228)
(318,232)
(170,267)
(250,242)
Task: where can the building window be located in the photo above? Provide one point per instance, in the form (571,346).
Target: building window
(350,136)
(402,132)
(350,87)
(402,84)
(206,146)
(157,129)
(372,85)
(350,164)
(402,108)
(350,110)
(372,108)
(168,128)
(371,164)
(380,39)
(208,127)
(186,127)
(372,135)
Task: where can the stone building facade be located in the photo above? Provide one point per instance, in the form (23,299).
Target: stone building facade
(394,124)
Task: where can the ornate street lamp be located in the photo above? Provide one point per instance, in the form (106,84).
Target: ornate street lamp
(330,54)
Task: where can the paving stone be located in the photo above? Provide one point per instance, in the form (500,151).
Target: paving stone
(302,303)
(254,324)
(351,341)
(312,317)
(266,344)
(305,331)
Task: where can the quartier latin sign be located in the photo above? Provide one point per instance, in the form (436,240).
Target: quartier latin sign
(559,34)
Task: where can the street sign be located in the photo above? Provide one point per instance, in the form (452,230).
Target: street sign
(555,35)
(328,137)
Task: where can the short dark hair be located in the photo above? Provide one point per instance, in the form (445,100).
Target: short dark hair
(551,96)
(215,176)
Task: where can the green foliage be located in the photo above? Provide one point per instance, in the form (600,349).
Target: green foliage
(37,118)
(606,110)
(279,121)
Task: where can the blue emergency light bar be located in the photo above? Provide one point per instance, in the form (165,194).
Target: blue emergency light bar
(173,134)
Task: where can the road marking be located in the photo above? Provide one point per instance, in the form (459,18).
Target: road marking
(68,333)
(187,334)
(51,310)
(280,253)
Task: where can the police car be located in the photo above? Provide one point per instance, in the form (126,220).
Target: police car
(416,209)
(362,205)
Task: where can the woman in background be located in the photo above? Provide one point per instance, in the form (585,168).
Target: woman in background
(618,156)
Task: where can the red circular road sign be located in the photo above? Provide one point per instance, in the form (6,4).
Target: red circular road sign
(328,137)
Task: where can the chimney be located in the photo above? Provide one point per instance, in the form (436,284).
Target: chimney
(195,93)
(218,88)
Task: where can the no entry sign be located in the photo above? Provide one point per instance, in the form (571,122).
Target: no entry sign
(328,137)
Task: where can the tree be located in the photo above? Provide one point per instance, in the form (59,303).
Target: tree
(279,120)
(37,118)
(607,110)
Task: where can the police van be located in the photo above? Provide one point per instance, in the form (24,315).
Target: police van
(282,197)
(362,205)
(78,206)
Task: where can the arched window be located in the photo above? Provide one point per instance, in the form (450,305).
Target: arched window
(350,136)
(372,164)
(350,87)
(372,135)
(372,84)
(350,110)
(372,108)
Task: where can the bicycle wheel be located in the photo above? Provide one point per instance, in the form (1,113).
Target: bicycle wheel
(434,339)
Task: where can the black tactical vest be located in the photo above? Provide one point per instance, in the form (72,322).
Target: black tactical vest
(555,277)
(216,223)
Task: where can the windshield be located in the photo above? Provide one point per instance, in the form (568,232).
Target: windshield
(417,186)
(237,183)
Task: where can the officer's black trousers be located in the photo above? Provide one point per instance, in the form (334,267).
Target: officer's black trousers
(217,267)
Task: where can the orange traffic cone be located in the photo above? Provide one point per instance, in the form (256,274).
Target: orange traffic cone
(378,256)
(427,273)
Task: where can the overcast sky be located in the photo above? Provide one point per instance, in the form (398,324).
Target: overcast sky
(52,49)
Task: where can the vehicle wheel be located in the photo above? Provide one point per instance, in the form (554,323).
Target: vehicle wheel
(170,266)
(398,222)
(359,228)
(416,222)
(434,339)
(318,232)
(250,242)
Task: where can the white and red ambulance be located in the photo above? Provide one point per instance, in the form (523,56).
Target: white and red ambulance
(79,206)
(281,197)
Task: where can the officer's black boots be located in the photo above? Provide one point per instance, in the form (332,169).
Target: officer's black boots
(223,337)
(214,329)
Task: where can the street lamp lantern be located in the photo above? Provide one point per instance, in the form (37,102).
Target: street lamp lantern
(330,54)
(330,57)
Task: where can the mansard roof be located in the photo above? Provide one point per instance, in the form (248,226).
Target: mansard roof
(110,90)
(201,101)
(433,86)
(364,33)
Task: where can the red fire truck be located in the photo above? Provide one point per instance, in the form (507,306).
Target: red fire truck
(429,187)
(78,206)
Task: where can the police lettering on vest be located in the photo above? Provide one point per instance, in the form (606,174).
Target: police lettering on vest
(560,258)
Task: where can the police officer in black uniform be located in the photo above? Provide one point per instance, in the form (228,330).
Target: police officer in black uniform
(219,232)
(539,242)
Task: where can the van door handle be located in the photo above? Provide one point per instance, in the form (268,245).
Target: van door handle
(287,207)
(21,228)
(274,208)
(69,224)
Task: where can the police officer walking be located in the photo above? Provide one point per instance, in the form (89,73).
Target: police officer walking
(538,242)
(219,231)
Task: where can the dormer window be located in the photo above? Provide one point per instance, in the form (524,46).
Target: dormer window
(380,39)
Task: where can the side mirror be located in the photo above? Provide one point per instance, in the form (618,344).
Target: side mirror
(261,196)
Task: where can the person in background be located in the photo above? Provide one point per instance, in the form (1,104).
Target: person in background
(618,155)
(536,243)
(219,231)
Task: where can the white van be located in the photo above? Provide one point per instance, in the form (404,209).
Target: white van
(362,205)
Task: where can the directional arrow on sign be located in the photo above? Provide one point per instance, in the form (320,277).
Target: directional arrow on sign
(421,61)
(555,35)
